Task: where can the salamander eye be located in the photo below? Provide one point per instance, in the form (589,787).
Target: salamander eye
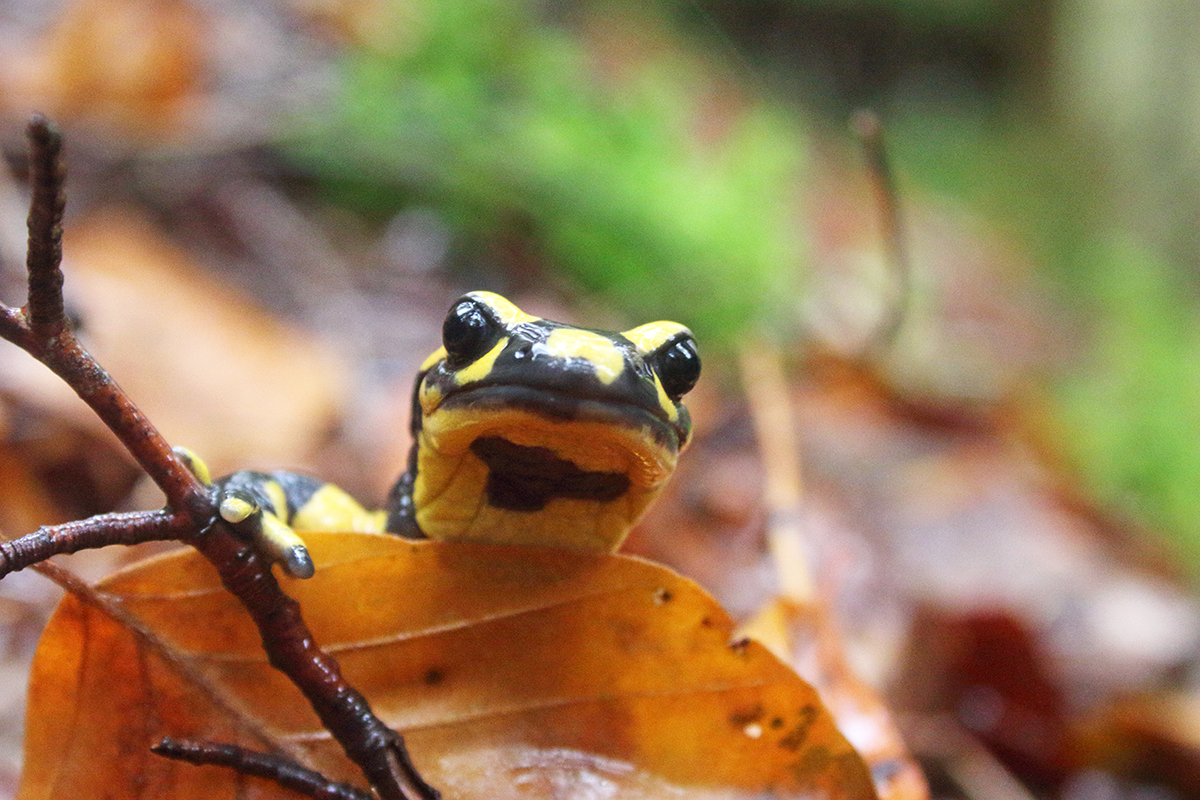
(466,333)
(678,366)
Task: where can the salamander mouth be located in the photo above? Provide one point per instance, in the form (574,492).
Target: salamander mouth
(576,441)
(527,478)
(570,407)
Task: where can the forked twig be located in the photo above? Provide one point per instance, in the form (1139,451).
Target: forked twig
(41,328)
(277,768)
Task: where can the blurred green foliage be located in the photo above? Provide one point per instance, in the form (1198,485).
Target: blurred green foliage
(1131,405)
(646,173)
(506,123)
(1124,402)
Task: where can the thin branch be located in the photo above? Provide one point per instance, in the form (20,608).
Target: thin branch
(98,531)
(41,330)
(44,256)
(13,326)
(869,130)
(345,713)
(279,769)
(783,488)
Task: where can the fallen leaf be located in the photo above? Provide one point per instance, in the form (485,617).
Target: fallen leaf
(803,634)
(133,67)
(511,672)
(1150,736)
(988,670)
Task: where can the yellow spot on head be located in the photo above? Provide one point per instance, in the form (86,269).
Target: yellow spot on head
(601,352)
(479,369)
(653,335)
(430,397)
(667,404)
(434,358)
(507,313)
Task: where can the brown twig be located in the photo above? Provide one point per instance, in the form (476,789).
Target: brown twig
(13,326)
(98,531)
(44,255)
(779,443)
(869,131)
(377,749)
(41,329)
(279,769)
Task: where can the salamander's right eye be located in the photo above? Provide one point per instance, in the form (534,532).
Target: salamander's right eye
(468,333)
(678,366)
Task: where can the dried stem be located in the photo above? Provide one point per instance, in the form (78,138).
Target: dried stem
(41,329)
(44,256)
(779,444)
(869,130)
(98,531)
(279,769)
(13,326)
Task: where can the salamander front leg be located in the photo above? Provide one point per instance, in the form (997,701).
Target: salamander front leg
(273,537)
(256,505)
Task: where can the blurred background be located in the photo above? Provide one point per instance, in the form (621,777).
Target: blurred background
(272,204)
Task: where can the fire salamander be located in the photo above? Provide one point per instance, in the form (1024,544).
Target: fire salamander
(525,431)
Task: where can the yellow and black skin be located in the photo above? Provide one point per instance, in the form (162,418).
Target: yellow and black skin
(525,431)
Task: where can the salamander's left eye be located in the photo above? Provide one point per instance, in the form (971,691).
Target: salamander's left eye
(467,333)
(678,366)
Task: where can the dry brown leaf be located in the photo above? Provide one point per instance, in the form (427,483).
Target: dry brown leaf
(52,472)
(1150,736)
(803,634)
(133,67)
(510,671)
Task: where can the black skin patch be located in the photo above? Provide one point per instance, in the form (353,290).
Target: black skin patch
(524,478)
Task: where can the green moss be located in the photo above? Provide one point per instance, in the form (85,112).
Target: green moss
(494,116)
